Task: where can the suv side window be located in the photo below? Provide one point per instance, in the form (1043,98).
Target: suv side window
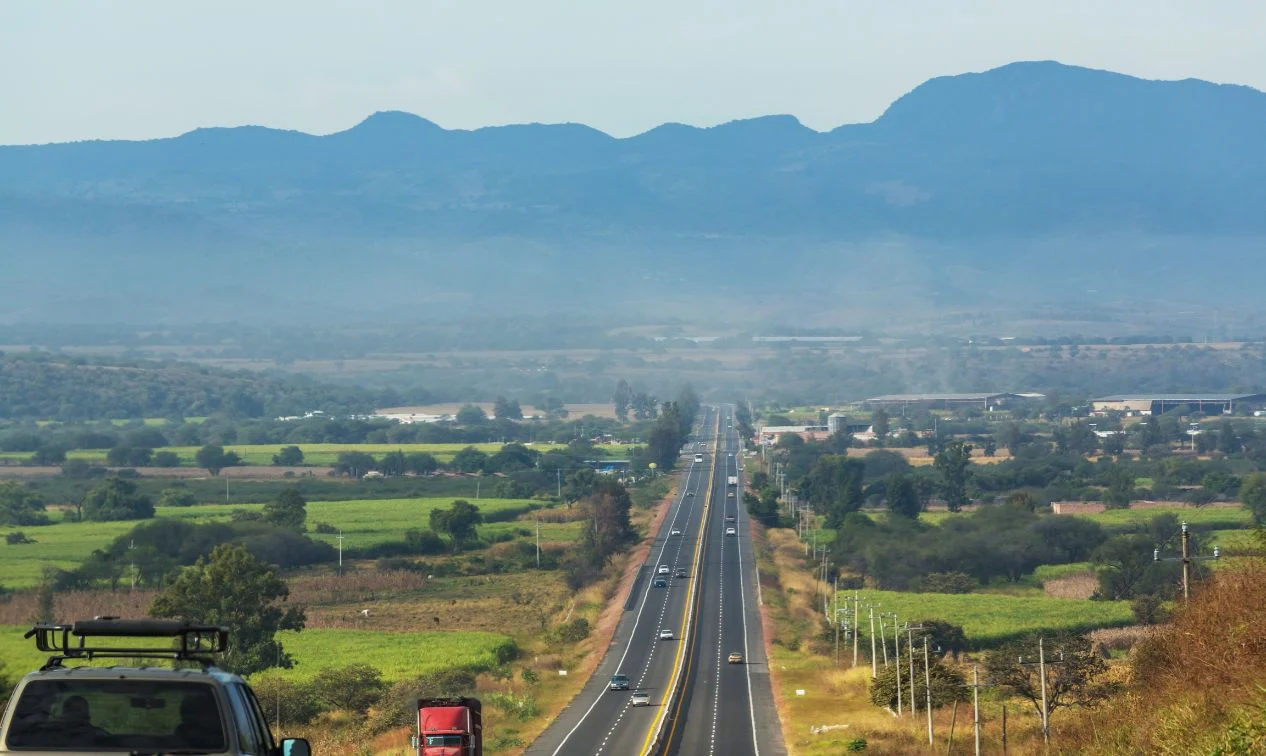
(248,735)
(261,719)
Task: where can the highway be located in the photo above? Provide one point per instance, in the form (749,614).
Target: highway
(599,721)
(724,708)
(727,709)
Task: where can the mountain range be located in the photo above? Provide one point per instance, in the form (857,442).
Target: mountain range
(1033,182)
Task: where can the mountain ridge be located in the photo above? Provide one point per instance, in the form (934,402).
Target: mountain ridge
(961,179)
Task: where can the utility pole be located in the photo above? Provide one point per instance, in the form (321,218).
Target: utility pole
(856,622)
(874,658)
(1041,670)
(914,706)
(1186,560)
(883,639)
(560,483)
(538,541)
(340,550)
(896,650)
(131,564)
(975,704)
(927,682)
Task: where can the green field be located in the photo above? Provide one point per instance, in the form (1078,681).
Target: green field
(398,655)
(313,454)
(1127,519)
(363,522)
(990,619)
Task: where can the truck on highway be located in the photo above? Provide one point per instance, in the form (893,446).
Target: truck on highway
(732,480)
(450,727)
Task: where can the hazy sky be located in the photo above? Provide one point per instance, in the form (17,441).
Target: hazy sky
(147,68)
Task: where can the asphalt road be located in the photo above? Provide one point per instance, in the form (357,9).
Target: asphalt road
(599,721)
(727,709)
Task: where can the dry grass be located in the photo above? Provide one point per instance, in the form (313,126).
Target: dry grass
(1198,685)
(1079,586)
(23,606)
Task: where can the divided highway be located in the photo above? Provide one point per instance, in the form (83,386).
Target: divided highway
(724,708)
(599,721)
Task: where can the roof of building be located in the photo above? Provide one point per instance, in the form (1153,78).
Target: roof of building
(940,397)
(1179,398)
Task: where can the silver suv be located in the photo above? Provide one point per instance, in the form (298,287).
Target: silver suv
(136,710)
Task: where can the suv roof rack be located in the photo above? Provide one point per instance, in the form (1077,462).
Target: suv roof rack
(194,641)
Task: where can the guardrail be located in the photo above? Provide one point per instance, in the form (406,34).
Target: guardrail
(655,738)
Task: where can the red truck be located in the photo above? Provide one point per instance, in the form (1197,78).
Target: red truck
(450,727)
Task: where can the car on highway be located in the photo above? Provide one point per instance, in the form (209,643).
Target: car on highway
(659,583)
(665,634)
(690,493)
(663,569)
(730,495)
(640,698)
(674,532)
(730,531)
(735,658)
(618,682)
(681,572)
(730,517)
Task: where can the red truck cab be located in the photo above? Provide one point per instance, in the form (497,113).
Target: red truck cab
(450,727)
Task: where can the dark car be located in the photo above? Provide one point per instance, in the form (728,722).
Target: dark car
(659,583)
(619,682)
(681,572)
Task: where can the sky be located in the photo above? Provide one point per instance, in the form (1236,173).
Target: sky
(139,69)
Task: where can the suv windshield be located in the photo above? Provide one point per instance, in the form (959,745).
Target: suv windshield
(123,715)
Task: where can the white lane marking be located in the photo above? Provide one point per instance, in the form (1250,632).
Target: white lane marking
(716,688)
(747,658)
(645,598)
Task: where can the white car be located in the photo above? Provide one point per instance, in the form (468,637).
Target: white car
(663,569)
(731,531)
(640,698)
(665,634)
(675,532)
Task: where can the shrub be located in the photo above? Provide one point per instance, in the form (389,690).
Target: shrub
(355,688)
(947,686)
(296,701)
(948,582)
(17,538)
(176,497)
(399,705)
(325,528)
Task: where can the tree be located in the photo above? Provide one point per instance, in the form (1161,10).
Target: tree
(834,486)
(622,398)
(233,588)
(288,456)
(1120,490)
(507,409)
(129,456)
(20,505)
(354,464)
(116,499)
(947,636)
(1114,444)
(469,460)
(1253,497)
(880,426)
(471,414)
(1228,440)
(1075,681)
(459,521)
(289,510)
(1126,570)
(166,459)
(421,463)
(991,447)
(213,458)
(903,497)
(393,464)
(952,462)
(48,455)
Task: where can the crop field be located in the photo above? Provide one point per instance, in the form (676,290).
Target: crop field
(364,523)
(313,454)
(397,655)
(989,619)
(1219,518)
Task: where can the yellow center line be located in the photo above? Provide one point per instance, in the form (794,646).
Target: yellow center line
(691,605)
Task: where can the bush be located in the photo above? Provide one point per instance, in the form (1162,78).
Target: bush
(325,528)
(354,688)
(17,538)
(297,703)
(166,459)
(399,705)
(176,497)
(948,582)
(116,499)
(400,564)
(572,632)
(1149,610)
(947,686)
(424,542)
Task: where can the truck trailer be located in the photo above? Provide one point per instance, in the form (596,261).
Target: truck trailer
(450,727)
(733,480)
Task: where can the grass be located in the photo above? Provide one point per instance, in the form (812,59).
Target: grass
(398,655)
(1121,520)
(313,454)
(364,523)
(989,619)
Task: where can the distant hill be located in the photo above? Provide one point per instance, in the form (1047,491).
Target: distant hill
(1030,182)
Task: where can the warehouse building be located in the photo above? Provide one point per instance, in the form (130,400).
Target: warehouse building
(988,402)
(1158,404)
